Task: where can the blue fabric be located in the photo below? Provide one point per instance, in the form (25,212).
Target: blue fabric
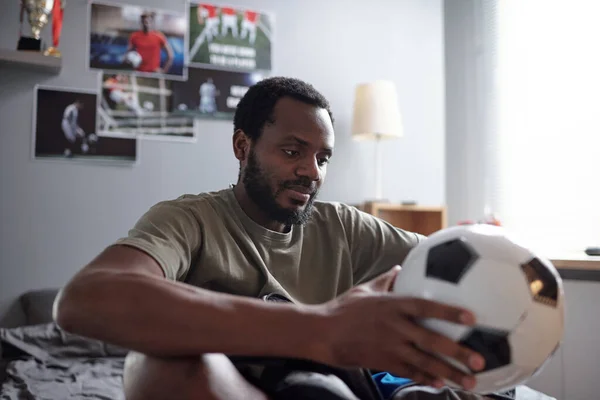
(388,383)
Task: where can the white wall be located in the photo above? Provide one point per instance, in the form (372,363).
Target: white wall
(56,216)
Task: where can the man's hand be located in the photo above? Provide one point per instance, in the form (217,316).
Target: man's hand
(373,328)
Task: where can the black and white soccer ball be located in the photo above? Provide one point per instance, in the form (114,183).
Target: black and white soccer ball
(148,105)
(516,295)
(92,138)
(133,58)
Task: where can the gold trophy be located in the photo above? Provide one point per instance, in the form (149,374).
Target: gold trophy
(38,13)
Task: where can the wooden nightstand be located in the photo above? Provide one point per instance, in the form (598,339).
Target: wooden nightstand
(420,219)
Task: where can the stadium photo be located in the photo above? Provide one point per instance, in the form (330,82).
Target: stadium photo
(136,39)
(230,37)
(64,129)
(135,106)
(211,94)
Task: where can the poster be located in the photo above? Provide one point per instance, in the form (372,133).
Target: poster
(137,39)
(211,94)
(64,129)
(137,106)
(230,37)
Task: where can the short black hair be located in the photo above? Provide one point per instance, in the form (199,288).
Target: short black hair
(256,107)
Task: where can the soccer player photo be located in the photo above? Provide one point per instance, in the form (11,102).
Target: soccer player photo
(135,39)
(211,93)
(230,37)
(139,106)
(64,124)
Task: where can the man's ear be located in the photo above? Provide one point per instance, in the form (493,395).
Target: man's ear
(241,145)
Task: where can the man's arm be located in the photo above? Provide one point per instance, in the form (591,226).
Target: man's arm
(122,297)
(75,124)
(130,45)
(167,46)
(375,245)
(131,295)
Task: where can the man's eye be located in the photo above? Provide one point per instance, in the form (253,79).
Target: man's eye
(291,153)
(323,161)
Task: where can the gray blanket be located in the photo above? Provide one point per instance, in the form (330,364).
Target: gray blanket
(44,362)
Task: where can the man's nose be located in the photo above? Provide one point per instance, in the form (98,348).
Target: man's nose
(309,167)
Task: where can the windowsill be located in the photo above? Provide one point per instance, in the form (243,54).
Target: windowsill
(578,260)
(577,266)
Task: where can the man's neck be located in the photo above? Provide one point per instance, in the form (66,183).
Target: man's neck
(254,212)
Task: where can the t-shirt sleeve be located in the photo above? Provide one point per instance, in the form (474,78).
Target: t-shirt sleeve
(171,234)
(132,38)
(162,39)
(375,245)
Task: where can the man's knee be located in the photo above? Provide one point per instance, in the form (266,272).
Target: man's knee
(210,376)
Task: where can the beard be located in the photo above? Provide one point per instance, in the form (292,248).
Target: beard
(256,183)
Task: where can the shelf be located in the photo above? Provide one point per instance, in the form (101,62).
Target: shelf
(32,60)
(415,218)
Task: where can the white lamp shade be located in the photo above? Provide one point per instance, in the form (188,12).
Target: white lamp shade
(376,111)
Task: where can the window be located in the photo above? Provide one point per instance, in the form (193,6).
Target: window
(546,109)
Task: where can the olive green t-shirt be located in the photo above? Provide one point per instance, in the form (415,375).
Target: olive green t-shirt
(208,241)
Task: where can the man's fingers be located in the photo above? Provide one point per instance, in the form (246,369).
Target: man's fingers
(385,281)
(433,342)
(422,309)
(436,367)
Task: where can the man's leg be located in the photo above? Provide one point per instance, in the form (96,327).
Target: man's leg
(252,33)
(70,136)
(244,31)
(210,377)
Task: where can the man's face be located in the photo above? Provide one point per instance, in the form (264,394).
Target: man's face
(79,105)
(146,23)
(287,165)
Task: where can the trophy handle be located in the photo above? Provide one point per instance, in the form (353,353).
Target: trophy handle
(21,16)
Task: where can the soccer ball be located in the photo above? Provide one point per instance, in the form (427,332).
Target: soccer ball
(134,58)
(182,107)
(92,138)
(148,106)
(516,295)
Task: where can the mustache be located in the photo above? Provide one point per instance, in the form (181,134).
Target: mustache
(305,182)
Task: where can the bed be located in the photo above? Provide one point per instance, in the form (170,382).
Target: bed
(39,361)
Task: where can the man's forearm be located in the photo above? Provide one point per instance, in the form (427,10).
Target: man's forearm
(168,64)
(164,318)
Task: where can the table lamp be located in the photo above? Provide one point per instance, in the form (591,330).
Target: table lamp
(376,116)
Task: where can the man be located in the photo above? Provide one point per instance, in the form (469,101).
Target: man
(208,92)
(71,129)
(229,21)
(148,43)
(249,26)
(116,92)
(207,15)
(185,287)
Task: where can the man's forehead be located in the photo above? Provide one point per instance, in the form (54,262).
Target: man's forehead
(301,118)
